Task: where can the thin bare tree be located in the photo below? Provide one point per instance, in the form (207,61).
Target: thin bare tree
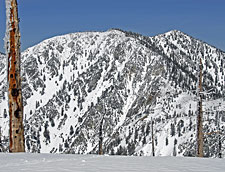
(100,149)
(200,115)
(153,138)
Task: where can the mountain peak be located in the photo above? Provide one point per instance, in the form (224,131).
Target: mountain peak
(176,32)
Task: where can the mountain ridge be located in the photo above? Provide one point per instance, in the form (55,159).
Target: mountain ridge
(124,31)
(71,82)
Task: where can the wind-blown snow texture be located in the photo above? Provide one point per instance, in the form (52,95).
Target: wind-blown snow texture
(93,163)
(71,82)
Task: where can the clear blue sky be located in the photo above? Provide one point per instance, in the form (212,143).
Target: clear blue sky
(41,19)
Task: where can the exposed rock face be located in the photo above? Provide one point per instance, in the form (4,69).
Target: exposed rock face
(72,82)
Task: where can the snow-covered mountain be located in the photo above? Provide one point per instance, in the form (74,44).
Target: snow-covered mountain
(76,83)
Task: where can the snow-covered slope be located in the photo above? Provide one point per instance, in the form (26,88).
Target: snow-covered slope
(93,163)
(73,82)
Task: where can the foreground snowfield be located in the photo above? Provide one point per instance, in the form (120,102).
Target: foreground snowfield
(94,163)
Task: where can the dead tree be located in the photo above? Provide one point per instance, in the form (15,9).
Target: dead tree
(12,45)
(200,115)
(100,149)
(0,137)
(153,143)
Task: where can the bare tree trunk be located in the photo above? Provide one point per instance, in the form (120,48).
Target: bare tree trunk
(16,131)
(100,150)
(0,136)
(219,141)
(153,141)
(200,115)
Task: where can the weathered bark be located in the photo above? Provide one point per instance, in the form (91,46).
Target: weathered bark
(200,116)
(153,141)
(16,131)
